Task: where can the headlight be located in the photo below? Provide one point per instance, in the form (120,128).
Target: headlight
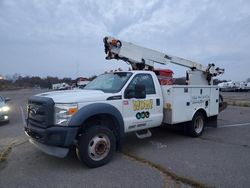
(63,113)
(4,109)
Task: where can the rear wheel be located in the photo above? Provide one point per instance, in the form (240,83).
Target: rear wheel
(196,126)
(96,146)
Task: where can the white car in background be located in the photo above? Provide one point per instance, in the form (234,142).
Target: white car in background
(4,109)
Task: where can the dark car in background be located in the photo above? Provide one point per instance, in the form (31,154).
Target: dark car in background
(4,109)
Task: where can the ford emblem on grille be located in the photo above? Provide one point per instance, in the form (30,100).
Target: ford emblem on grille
(34,111)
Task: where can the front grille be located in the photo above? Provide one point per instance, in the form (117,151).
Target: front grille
(40,111)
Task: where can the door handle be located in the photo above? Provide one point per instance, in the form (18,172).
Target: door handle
(158,102)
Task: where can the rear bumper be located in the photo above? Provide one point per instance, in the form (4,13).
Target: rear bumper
(54,141)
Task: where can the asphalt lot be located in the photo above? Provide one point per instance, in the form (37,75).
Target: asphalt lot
(219,158)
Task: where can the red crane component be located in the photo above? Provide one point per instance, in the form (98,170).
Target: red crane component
(165,76)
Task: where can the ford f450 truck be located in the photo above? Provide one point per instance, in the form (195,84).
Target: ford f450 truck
(95,119)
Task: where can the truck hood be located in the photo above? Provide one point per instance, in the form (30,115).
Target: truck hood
(76,96)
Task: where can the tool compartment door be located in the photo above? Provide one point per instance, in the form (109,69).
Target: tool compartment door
(177,106)
(214,101)
(182,108)
(200,99)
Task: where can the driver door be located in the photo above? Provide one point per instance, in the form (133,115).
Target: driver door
(141,113)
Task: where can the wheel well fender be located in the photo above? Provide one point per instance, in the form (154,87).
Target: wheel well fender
(201,110)
(95,110)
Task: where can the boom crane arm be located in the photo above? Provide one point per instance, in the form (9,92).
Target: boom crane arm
(144,58)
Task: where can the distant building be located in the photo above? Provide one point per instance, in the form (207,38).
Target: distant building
(81,81)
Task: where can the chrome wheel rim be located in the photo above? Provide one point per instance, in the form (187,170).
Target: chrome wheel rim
(99,147)
(198,125)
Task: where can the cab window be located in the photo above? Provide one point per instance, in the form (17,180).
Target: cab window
(109,83)
(143,79)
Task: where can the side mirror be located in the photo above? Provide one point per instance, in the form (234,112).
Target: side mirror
(7,99)
(139,92)
(129,93)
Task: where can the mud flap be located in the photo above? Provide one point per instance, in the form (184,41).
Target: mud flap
(222,106)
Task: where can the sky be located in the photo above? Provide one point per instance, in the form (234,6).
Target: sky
(64,38)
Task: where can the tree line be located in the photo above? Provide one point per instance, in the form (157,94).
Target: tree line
(18,82)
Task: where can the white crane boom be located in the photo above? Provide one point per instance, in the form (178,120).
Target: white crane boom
(144,58)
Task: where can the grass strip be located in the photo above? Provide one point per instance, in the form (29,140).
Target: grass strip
(168,173)
(4,154)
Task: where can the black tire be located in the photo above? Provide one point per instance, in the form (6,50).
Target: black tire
(96,146)
(196,126)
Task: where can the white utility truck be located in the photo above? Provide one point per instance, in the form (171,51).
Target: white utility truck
(95,119)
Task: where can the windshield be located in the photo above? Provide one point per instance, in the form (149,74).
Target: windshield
(109,83)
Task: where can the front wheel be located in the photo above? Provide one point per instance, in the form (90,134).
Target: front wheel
(196,126)
(96,146)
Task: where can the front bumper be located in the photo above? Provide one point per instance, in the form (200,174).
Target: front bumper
(51,150)
(54,141)
(51,139)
